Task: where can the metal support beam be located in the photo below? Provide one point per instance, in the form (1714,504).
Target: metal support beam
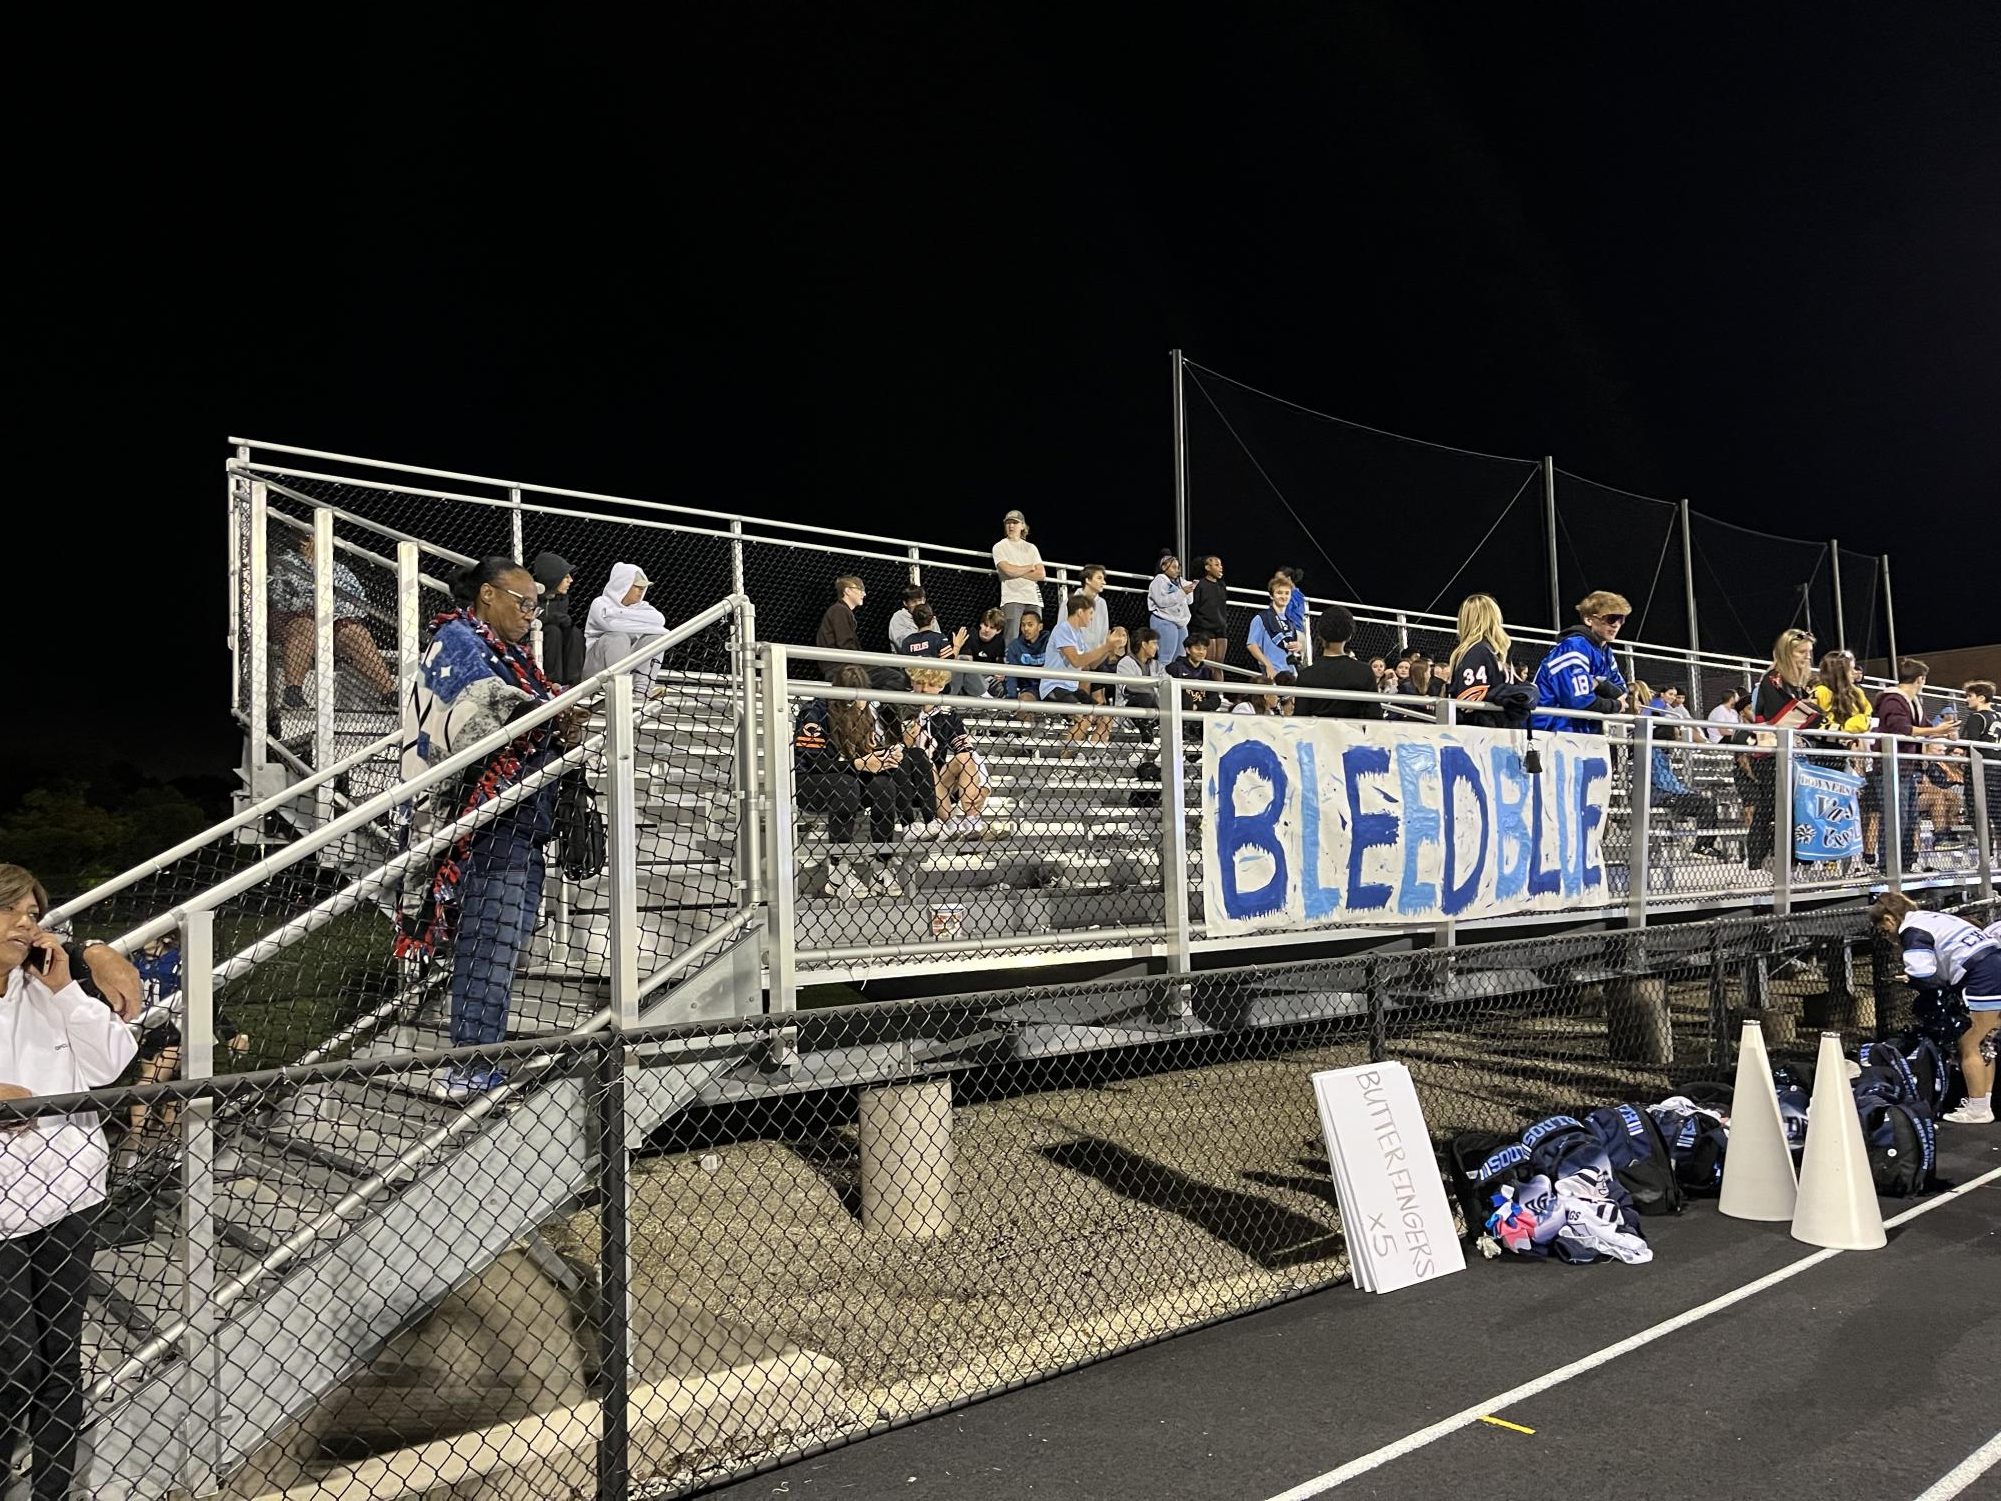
(324,672)
(514,523)
(1549,527)
(1892,832)
(1840,610)
(1179,370)
(622,869)
(780,875)
(1890,620)
(1174,828)
(258,642)
(409,633)
(614,1294)
(1980,765)
(1782,822)
(1639,821)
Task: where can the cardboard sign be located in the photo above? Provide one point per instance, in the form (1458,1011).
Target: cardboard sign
(1394,1212)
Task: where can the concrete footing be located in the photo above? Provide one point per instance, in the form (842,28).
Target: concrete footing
(909,1172)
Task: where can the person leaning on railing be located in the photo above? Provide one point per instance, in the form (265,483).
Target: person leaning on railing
(1579,672)
(292,620)
(838,630)
(54,1039)
(1781,699)
(1897,713)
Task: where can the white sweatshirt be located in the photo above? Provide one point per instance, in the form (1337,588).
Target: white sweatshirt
(55,1042)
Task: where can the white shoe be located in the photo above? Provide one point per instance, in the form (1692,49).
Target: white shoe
(884,884)
(971,826)
(912,832)
(1970,1115)
(843,884)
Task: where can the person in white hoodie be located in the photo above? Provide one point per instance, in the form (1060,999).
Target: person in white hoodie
(54,1039)
(620,621)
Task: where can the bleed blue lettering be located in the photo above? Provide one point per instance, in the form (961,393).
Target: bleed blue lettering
(1368,830)
(1456,766)
(1589,817)
(1511,831)
(1417,762)
(1236,831)
(1320,901)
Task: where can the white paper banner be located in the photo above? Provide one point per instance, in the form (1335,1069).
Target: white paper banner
(1318,822)
(1393,1207)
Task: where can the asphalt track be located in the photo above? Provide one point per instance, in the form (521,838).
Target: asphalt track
(1867,1375)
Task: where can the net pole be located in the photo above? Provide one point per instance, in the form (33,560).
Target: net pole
(1840,613)
(1549,542)
(1688,601)
(1890,620)
(1177,366)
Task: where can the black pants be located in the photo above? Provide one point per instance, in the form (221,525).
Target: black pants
(42,1277)
(1699,806)
(888,795)
(1758,839)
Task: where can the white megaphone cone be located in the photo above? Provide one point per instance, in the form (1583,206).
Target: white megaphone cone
(1837,1201)
(1758,1181)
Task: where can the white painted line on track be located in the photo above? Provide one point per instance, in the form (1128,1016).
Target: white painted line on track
(1411,1442)
(1968,1470)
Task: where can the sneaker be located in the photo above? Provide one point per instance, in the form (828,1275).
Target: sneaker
(1969,1114)
(460,1083)
(843,884)
(916,831)
(968,827)
(884,884)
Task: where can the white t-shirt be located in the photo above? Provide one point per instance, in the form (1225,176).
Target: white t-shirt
(1022,554)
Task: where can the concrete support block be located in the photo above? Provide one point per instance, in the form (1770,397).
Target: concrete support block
(1638,1026)
(909,1171)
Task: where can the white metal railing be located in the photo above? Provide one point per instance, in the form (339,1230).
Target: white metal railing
(738,528)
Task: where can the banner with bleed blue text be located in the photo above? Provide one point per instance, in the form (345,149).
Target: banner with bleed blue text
(1312,822)
(1827,815)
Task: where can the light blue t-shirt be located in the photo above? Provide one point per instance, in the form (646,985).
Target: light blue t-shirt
(1064,635)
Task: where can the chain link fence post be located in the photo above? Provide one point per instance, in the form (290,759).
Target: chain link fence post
(780,933)
(1894,813)
(1978,770)
(1719,1004)
(1639,824)
(1174,830)
(614,1283)
(323,656)
(259,646)
(201,1356)
(624,856)
(1782,823)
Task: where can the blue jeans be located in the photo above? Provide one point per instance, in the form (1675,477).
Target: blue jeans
(500,893)
(1172,634)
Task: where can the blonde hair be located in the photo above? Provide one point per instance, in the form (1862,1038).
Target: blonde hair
(1782,649)
(1479,623)
(1603,602)
(929,679)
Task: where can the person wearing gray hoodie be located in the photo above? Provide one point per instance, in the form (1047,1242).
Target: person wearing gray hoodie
(562,637)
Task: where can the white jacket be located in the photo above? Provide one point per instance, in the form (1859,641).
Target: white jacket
(55,1042)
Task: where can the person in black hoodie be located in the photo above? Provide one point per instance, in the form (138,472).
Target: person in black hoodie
(562,637)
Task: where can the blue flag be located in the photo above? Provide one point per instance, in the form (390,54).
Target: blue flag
(1827,823)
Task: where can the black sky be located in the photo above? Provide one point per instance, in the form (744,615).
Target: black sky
(899,272)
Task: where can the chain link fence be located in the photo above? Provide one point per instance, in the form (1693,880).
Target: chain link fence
(665,1256)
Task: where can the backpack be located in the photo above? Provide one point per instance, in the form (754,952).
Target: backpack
(1692,1121)
(581,847)
(1640,1157)
(1931,1074)
(1477,1164)
(1897,1128)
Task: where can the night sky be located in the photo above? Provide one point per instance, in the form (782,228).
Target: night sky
(900,273)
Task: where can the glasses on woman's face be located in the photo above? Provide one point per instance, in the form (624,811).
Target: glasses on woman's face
(529,607)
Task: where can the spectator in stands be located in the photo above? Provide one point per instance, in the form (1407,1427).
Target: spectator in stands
(1333,668)
(924,639)
(1169,604)
(1379,668)
(1019,563)
(844,760)
(1782,699)
(1674,796)
(988,647)
(1194,664)
(1295,610)
(904,621)
(1274,641)
(1209,608)
(1898,714)
(959,774)
(54,1039)
(1844,707)
(1983,728)
(1640,693)
(1580,672)
(562,637)
(477,677)
(1674,703)
(1727,715)
(1478,665)
(620,622)
(838,631)
(1284,701)
(1027,649)
(1068,648)
(292,622)
(1387,679)
(1423,681)
(1142,664)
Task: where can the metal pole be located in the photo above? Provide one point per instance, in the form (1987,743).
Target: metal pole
(514,522)
(409,633)
(259,643)
(1782,823)
(1840,612)
(781,955)
(323,657)
(1174,828)
(1892,832)
(614,1269)
(1890,620)
(750,832)
(622,867)
(1178,365)
(1694,626)
(236,492)
(1549,523)
(1983,828)
(1639,821)
(202,1389)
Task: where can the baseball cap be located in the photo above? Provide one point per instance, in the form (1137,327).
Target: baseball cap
(1014,516)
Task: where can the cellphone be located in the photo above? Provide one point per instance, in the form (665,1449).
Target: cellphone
(37,960)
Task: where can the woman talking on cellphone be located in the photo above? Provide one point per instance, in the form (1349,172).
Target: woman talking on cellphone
(54,1039)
